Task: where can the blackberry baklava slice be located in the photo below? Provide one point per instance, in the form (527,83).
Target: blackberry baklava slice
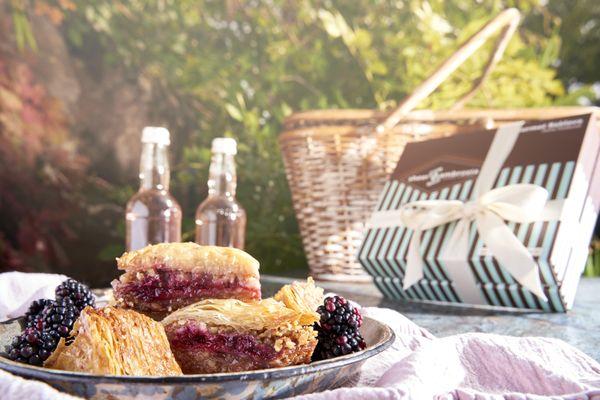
(231,335)
(112,341)
(161,278)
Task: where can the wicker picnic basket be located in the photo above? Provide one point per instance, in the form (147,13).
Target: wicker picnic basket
(337,161)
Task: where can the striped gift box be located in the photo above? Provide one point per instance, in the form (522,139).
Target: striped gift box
(558,155)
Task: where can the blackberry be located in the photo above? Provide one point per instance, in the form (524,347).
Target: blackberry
(78,292)
(60,316)
(338,329)
(35,312)
(32,346)
(36,323)
(330,346)
(339,316)
(47,321)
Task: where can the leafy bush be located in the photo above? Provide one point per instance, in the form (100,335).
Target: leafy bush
(41,174)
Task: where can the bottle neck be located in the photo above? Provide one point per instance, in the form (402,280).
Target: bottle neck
(222,179)
(154,167)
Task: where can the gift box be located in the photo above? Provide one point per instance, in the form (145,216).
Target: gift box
(500,217)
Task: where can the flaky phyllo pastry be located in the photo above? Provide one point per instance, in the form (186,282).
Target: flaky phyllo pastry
(112,341)
(231,335)
(161,278)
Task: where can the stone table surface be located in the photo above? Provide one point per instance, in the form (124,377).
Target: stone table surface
(579,327)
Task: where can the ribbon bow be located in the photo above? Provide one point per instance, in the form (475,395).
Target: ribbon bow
(520,203)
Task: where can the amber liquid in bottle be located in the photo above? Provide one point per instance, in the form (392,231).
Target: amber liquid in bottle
(153,215)
(220,219)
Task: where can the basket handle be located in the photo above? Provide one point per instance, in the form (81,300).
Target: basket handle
(507,20)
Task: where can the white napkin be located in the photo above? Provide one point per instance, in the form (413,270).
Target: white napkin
(470,366)
(16,388)
(18,290)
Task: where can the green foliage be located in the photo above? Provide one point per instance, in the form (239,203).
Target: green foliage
(23,35)
(592,267)
(238,68)
(580,28)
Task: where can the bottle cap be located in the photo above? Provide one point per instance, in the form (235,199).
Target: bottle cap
(224,145)
(156,134)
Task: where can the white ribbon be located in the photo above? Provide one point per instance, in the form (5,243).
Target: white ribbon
(489,209)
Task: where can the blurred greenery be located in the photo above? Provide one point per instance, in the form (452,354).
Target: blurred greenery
(592,267)
(238,68)
(580,33)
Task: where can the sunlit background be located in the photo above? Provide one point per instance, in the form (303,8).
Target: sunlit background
(80,79)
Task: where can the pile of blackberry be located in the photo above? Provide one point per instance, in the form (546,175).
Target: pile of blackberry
(60,316)
(338,329)
(47,321)
(32,346)
(33,317)
(79,293)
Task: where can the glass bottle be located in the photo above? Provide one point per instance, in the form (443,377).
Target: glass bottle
(153,215)
(220,219)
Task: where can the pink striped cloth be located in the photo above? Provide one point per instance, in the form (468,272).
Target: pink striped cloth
(472,366)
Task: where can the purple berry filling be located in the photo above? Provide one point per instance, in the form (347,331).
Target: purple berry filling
(169,284)
(194,337)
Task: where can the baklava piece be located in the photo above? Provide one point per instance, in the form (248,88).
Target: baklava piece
(231,335)
(161,278)
(112,341)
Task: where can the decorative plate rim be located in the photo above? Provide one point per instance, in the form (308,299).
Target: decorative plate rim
(46,374)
